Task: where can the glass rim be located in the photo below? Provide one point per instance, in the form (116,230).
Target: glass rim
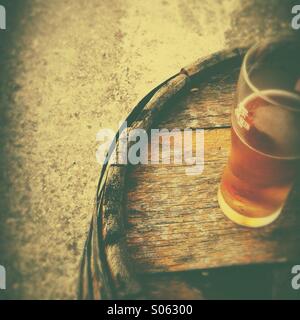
(258,91)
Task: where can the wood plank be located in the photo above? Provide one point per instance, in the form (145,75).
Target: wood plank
(174,222)
(208,102)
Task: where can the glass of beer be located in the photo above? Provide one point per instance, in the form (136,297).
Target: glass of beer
(265,137)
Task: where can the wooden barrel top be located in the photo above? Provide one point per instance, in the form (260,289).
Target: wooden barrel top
(154,219)
(175,221)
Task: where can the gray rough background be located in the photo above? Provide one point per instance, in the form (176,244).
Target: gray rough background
(67,69)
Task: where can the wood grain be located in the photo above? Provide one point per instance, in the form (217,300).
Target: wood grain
(175,223)
(208,102)
(106,269)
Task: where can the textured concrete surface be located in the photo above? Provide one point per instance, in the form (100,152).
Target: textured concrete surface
(68,69)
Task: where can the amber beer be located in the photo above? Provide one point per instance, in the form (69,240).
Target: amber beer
(265,144)
(261,170)
(255,184)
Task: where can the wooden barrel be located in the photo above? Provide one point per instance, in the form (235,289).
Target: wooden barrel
(158,233)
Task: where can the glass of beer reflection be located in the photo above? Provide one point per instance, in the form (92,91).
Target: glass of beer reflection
(265,137)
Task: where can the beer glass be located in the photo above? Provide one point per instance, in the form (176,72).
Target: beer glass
(265,137)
